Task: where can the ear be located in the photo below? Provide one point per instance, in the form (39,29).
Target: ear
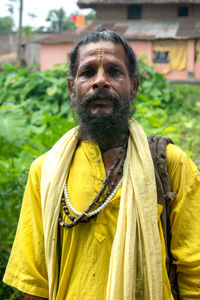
(71,88)
(134,88)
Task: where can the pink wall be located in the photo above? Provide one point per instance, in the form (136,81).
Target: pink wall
(191,66)
(177,75)
(191,51)
(142,47)
(145,47)
(52,54)
(197,71)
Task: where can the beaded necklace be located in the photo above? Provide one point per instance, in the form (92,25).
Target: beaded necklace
(88,214)
(96,211)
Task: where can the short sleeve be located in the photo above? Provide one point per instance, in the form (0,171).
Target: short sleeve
(26,269)
(185,222)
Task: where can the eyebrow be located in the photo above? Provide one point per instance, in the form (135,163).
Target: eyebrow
(96,64)
(115,64)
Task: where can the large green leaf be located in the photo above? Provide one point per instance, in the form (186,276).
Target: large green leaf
(12,125)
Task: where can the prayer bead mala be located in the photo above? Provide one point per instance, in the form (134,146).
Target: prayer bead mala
(88,214)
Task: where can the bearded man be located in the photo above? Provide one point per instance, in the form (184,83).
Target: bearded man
(90,224)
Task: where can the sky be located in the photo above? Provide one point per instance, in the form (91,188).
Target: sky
(40,8)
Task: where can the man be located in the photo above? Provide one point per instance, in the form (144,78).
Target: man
(98,183)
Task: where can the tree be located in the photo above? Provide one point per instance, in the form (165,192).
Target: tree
(58,19)
(90,16)
(11,10)
(6,23)
(28,32)
(20,32)
(10,6)
(69,25)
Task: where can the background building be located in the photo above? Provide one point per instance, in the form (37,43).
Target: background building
(167,32)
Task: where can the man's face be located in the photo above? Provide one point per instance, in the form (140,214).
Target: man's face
(102,71)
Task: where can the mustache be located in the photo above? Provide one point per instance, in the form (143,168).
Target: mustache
(101,94)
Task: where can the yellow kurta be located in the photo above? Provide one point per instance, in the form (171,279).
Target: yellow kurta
(86,248)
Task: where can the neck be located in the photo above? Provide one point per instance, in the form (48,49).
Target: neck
(110,154)
(104,147)
(105,143)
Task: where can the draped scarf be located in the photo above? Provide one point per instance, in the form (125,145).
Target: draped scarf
(135,270)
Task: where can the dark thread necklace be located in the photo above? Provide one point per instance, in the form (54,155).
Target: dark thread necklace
(86,216)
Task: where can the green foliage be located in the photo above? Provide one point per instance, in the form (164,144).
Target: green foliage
(35,112)
(59,20)
(35,93)
(12,124)
(169,109)
(90,16)
(28,32)
(6,23)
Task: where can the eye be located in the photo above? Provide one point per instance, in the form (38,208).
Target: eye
(87,73)
(114,71)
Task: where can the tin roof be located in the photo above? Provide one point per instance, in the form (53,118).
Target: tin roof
(93,3)
(131,30)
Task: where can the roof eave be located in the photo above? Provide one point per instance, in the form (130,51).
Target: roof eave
(93,3)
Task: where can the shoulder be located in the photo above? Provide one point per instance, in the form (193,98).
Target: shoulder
(32,190)
(35,168)
(175,154)
(177,158)
(37,163)
(183,173)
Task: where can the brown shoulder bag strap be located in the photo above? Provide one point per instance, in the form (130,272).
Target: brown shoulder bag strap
(157,145)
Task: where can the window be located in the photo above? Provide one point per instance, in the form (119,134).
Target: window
(23,47)
(134,12)
(161,57)
(183,11)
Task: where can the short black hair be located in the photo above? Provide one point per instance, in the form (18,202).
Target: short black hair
(105,35)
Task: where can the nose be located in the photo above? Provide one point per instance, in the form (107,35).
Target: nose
(100,81)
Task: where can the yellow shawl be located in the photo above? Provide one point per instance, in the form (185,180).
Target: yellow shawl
(135,270)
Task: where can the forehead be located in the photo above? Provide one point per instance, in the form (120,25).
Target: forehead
(106,50)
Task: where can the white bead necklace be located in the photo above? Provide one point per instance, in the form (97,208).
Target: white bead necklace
(96,211)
